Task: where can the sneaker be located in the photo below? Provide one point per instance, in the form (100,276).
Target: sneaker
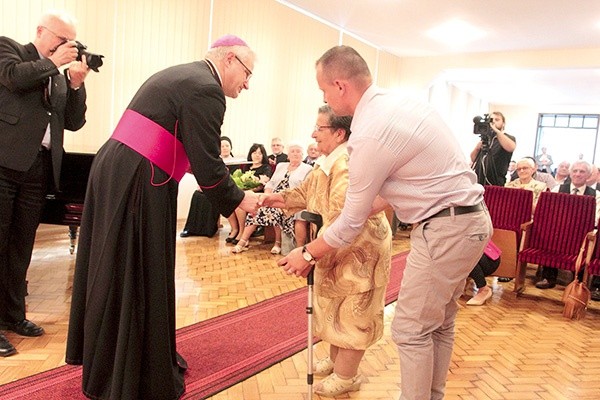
(323,367)
(333,385)
(595,294)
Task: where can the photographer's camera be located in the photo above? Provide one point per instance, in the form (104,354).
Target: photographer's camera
(94,61)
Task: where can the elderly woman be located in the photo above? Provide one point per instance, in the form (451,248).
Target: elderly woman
(525,170)
(287,175)
(349,283)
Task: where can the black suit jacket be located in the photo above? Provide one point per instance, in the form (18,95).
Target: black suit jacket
(566,188)
(24,114)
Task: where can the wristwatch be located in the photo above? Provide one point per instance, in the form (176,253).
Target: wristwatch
(307,256)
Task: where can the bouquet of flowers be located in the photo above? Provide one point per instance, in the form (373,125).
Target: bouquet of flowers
(245,180)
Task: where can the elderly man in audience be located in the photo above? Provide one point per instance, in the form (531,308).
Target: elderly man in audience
(313,153)
(580,173)
(278,155)
(562,173)
(592,181)
(525,170)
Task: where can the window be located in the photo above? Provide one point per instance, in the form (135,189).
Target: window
(568,137)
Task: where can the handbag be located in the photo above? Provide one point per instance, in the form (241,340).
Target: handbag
(577,295)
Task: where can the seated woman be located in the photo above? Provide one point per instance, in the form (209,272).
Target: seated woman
(287,175)
(202,220)
(487,265)
(350,282)
(525,170)
(262,171)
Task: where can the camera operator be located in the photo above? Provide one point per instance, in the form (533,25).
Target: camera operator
(492,154)
(37,103)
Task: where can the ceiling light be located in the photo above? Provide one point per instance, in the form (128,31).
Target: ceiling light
(456,33)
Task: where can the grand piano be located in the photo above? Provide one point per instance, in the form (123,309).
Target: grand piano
(65,207)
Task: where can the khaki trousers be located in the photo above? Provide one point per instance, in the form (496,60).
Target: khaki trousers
(443,252)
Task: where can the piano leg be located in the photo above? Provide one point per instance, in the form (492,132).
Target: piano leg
(72,237)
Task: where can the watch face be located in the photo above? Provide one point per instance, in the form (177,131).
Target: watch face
(306,255)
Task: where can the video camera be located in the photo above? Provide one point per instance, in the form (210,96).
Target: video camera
(481,127)
(94,61)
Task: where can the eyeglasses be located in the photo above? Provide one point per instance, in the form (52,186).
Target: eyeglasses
(62,38)
(523,168)
(247,70)
(321,127)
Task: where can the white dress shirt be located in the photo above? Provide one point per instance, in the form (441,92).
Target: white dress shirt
(402,150)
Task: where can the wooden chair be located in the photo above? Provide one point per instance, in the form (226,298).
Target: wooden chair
(509,209)
(554,238)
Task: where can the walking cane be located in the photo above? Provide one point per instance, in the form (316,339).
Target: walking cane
(317,220)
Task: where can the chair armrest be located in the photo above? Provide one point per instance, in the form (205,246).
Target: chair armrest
(590,240)
(525,234)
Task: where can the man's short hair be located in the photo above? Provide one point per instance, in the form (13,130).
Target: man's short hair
(587,165)
(343,62)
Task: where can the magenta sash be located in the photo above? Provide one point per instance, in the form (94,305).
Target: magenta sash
(154,142)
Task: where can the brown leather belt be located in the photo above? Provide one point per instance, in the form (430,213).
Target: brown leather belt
(458,210)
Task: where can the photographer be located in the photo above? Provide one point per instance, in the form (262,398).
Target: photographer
(37,103)
(492,154)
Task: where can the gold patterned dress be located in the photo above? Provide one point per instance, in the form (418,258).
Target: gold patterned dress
(350,283)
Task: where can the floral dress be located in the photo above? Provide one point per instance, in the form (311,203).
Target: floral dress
(269,216)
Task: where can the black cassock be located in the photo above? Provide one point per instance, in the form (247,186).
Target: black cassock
(122,323)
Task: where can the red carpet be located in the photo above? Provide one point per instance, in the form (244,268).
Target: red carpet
(246,341)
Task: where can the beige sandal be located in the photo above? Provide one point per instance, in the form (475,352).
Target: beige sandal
(323,367)
(333,385)
(241,246)
(277,248)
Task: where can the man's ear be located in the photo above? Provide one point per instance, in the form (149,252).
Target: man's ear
(340,85)
(229,57)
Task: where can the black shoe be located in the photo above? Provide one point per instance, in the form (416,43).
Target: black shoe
(24,328)
(184,234)
(6,348)
(545,284)
(505,279)
(231,239)
(260,230)
(595,294)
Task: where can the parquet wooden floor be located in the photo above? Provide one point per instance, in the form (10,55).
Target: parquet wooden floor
(512,348)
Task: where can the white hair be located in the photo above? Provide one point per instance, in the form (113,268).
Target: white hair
(57,15)
(528,161)
(296,144)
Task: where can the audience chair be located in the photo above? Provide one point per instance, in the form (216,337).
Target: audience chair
(592,260)
(509,209)
(555,237)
